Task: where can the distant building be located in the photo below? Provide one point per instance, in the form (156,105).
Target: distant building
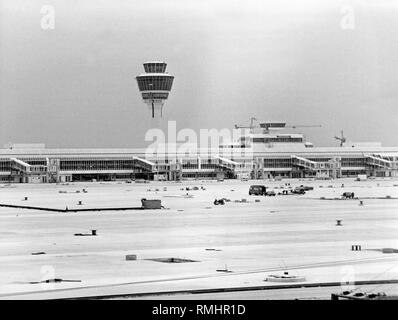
(274,153)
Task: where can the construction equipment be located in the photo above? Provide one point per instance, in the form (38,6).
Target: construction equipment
(342,139)
(251,127)
(304,126)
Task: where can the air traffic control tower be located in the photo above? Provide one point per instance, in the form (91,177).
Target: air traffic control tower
(155,85)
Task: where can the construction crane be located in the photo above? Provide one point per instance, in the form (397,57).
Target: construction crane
(304,126)
(251,127)
(342,139)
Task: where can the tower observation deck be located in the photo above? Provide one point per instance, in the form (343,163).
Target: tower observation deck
(155,85)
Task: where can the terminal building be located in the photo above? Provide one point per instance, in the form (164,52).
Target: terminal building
(266,152)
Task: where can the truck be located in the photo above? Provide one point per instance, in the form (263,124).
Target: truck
(257,190)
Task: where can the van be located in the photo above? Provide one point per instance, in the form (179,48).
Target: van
(257,190)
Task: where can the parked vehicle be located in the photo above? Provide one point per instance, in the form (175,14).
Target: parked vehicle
(141,181)
(348,195)
(298,190)
(306,188)
(257,190)
(270,193)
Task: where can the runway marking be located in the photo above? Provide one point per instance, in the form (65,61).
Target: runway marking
(215,275)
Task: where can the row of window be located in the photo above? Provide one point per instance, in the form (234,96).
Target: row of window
(146,83)
(132,164)
(156,67)
(277,163)
(202,166)
(199,175)
(155,95)
(353,162)
(286,163)
(35,161)
(319,159)
(190,166)
(279,139)
(127,164)
(214,161)
(209,165)
(5,165)
(38,169)
(352,173)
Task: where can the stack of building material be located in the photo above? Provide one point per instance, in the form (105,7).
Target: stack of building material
(151,204)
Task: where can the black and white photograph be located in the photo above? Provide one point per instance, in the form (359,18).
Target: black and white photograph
(207,152)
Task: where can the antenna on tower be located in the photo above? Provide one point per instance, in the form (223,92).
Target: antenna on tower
(155,85)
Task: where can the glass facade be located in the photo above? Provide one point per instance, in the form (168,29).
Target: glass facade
(5,165)
(319,159)
(155,95)
(353,162)
(102,165)
(38,169)
(35,161)
(201,175)
(209,166)
(190,164)
(149,82)
(277,163)
(278,139)
(286,163)
(83,166)
(155,67)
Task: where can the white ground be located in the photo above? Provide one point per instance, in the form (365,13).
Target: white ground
(297,233)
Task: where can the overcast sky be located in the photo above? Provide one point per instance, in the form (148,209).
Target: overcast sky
(74,86)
